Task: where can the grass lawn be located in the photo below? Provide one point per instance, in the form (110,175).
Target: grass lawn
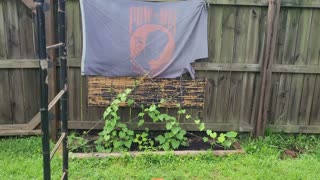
(20,158)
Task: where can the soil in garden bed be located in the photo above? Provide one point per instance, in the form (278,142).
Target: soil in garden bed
(195,142)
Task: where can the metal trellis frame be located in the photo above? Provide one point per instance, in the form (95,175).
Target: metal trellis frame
(62,95)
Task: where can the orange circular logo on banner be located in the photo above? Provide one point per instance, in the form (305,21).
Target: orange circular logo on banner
(138,42)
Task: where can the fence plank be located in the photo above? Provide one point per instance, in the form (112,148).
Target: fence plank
(315,113)
(210,96)
(29,77)
(300,58)
(215,40)
(285,79)
(278,59)
(236,82)
(13,51)
(315,60)
(310,80)
(2,32)
(226,56)
(252,42)
(5,106)
(215,32)
(74,76)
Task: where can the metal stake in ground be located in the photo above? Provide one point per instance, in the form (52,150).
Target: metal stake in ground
(63,83)
(43,87)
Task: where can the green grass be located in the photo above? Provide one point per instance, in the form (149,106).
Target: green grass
(20,158)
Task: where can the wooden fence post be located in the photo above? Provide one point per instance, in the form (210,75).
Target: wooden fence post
(266,68)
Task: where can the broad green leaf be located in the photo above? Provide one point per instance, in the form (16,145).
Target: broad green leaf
(161,117)
(221,139)
(166,146)
(116,101)
(201,127)
(108,150)
(152,107)
(128,91)
(168,126)
(175,144)
(213,135)
(184,143)
(181,134)
(123,98)
(109,127)
(100,148)
(144,134)
(205,139)
(106,138)
(114,114)
(197,121)
(117,144)
(121,125)
(125,130)
(127,143)
(166,117)
(141,114)
(122,134)
(141,122)
(130,102)
(162,101)
(231,134)
(172,118)
(130,132)
(105,114)
(161,139)
(175,130)
(188,116)
(209,132)
(227,143)
(182,111)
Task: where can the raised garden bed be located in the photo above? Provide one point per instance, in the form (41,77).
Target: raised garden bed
(178,153)
(195,146)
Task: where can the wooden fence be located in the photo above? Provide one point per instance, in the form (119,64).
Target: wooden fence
(237,35)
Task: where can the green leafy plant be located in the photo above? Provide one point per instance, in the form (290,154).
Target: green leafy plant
(224,139)
(174,137)
(77,142)
(227,139)
(115,135)
(144,142)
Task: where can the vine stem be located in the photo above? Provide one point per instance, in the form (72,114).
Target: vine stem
(194,135)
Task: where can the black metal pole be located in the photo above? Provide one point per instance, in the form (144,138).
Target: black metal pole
(43,88)
(63,82)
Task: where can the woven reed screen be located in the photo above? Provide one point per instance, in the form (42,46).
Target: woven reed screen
(189,93)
